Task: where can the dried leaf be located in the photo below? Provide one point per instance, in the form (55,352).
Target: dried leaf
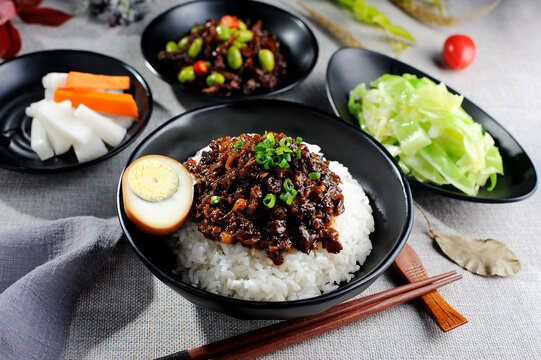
(10,41)
(44,16)
(487,257)
(26,4)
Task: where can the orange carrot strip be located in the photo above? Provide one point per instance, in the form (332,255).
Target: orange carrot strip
(120,104)
(79,80)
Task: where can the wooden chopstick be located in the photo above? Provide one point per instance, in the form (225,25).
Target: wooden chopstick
(321,327)
(280,335)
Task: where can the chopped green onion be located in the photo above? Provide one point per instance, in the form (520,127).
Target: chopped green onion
(283,164)
(298,153)
(287,198)
(260,158)
(314,175)
(288,185)
(299,139)
(270,136)
(239,144)
(287,141)
(269,200)
(287,157)
(214,200)
(279,151)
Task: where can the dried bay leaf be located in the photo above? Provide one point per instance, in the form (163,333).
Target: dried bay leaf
(486,257)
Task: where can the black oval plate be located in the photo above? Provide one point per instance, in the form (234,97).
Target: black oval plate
(298,43)
(366,159)
(21,86)
(520,179)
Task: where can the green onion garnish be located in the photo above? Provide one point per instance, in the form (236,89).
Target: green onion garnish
(239,144)
(299,139)
(314,175)
(269,200)
(288,197)
(269,156)
(214,200)
(283,164)
(288,185)
(283,142)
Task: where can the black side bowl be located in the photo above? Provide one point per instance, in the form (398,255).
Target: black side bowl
(520,178)
(298,43)
(21,86)
(368,162)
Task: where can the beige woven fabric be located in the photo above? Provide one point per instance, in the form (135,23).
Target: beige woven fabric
(127,313)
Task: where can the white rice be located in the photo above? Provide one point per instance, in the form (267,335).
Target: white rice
(240,272)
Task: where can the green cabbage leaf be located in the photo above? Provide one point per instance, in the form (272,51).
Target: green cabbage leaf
(425,128)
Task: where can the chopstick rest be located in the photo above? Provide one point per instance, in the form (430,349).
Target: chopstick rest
(409,265)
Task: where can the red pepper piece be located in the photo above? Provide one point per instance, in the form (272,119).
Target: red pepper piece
(230,21)
(200,67)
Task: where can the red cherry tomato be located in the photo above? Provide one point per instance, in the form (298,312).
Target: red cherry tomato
(200,67)
(458,51)
(230,21)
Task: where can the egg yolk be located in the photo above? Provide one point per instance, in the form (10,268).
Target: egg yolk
(153,180)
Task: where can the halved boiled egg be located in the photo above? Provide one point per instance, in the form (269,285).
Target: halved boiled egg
(157,193)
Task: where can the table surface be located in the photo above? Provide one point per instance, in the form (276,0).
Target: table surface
(127,313)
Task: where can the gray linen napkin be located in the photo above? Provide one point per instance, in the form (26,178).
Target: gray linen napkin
(43,269)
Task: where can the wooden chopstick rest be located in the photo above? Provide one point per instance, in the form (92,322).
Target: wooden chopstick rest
(409,265)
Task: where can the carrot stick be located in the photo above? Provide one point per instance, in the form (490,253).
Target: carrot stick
(79,80)
(120,104)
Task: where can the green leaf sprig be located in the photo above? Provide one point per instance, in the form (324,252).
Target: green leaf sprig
(370,15)
(430,12)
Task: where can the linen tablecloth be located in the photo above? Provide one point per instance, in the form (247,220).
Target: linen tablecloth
(127,313)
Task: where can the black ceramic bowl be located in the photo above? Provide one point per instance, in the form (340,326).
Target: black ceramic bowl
(298,43)
(367,161)
(21,86)
(520,178)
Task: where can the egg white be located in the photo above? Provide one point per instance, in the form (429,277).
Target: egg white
(165,214)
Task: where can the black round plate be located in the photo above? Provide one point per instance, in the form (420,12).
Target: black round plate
(366,159)
(298,43)
(21,86)
(520,179)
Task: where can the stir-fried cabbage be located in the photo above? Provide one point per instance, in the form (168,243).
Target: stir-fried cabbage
(425,128)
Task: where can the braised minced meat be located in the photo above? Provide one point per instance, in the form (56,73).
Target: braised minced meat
(230,171)
(250,78)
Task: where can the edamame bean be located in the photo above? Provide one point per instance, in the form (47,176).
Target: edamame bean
(234,58)
(215,78)
(195,48)
(239,44)
(183,42)
(266,59)
(186,75)
(196,28)
(171,46)
(245,35)
(223,32)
